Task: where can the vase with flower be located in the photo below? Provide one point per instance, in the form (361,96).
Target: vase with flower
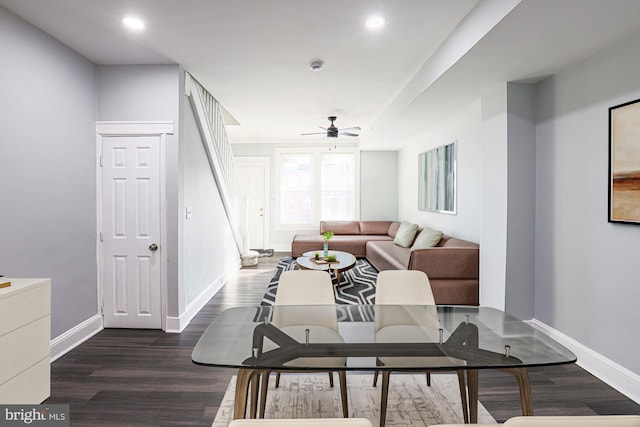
(327,235)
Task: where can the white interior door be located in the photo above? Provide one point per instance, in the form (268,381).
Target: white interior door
(253,173)
(131,232)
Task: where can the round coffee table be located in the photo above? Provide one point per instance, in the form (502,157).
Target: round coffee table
(344,261)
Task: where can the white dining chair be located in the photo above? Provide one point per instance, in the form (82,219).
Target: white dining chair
(307,288)
(412,324)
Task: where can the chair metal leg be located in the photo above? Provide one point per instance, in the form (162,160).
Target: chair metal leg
(277,379)
(428,379)
(330,378)
(375,378)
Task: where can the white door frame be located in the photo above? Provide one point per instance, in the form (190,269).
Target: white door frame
(265,162)
(113,128)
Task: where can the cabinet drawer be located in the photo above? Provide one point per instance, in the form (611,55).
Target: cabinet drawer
(23,302)
(30,387)
(24,347)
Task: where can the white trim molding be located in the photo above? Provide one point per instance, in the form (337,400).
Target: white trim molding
(67,341)
(132,128)
(177,324)
(615,375)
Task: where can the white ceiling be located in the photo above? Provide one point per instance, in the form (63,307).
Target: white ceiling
(254,55)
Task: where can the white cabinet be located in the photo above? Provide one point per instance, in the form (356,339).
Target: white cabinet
(25,336)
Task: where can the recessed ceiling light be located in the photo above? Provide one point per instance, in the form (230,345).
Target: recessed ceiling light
(133,23)
(375,22)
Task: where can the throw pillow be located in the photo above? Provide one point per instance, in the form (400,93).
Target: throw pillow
(405,234)
(427,238)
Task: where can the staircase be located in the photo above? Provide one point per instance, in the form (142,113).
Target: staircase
(208,114)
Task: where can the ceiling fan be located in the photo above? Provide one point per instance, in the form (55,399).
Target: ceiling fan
(332,131)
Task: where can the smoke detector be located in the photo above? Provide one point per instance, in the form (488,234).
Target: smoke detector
(316,65)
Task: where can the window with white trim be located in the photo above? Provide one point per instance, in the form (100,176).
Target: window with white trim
(296,188)
(337,187)
(316,185)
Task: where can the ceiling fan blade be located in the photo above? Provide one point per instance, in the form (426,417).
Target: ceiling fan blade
(324,129)
(350,129)
(348,133)
(313,133)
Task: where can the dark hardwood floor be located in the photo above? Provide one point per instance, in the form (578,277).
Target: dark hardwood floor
(129,377)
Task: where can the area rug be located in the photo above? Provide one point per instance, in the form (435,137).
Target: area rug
(357,286)
(411,401)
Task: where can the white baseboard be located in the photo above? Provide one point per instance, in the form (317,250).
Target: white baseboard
(281,248)
(75,336)
(177,324)
(617,376)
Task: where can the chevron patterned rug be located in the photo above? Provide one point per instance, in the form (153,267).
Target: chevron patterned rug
(357,286)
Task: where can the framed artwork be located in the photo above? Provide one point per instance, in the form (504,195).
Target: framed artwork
(437,179)
(624,163)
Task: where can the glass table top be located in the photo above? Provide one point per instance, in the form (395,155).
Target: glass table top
(368,337)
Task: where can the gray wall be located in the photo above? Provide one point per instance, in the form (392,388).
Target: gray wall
(545,147)
(208,253)
(149,93)
(379,185)
(521,192)
(494,178)
(48,175)
(508,198)
(587,276)
(464,126)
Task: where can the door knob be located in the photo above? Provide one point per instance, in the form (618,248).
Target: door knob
(153,247)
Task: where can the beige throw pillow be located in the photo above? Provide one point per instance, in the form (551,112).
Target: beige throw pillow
(427,238)
(405,234)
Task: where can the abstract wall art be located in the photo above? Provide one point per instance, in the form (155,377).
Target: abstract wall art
(437,179)
(624,163)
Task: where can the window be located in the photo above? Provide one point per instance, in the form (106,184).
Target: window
(316,185)
(296,189)
(338,187)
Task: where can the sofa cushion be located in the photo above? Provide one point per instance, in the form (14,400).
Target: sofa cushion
(340,227)
(406,234)
(374,227)
(427,238)
(386,255)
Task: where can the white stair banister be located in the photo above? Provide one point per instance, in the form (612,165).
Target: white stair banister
(208,115)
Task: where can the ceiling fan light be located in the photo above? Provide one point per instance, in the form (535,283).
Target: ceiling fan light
(316,65)
(375,22)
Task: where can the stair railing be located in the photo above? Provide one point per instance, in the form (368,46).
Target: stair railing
(208,115)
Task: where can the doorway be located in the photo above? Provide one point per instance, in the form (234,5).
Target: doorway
(131,255)
(255,179)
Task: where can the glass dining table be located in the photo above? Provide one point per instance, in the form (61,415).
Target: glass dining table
(258,339)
